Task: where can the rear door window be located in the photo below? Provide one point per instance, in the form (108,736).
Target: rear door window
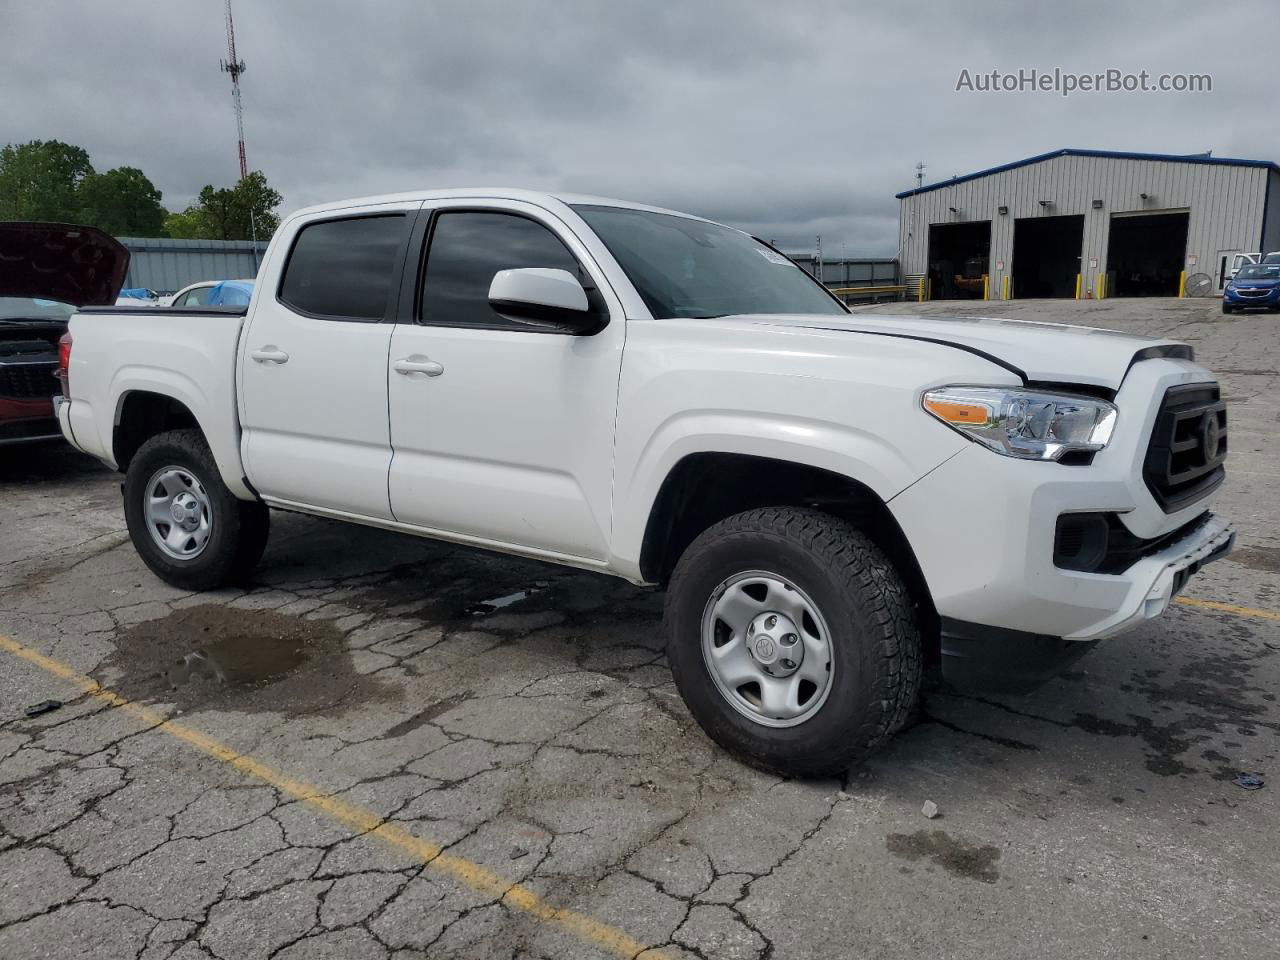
(343,269)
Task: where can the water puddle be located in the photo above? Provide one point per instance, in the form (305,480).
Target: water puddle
(485,607)
(239,659)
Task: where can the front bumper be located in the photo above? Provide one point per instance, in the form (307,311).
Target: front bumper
(980,657)
(982,527)
(26,420)
(1270,299)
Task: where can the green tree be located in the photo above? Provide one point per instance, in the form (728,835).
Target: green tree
(40,180)
(185,224)
(230,213)
(122,202)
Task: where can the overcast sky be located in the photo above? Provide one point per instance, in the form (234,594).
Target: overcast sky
(787,119)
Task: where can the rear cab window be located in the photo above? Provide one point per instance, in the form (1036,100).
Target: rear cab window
(343,269)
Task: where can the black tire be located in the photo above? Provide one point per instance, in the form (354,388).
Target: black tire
(1227,309)
(237,531)
(875,640)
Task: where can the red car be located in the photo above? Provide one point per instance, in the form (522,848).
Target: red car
(47,270)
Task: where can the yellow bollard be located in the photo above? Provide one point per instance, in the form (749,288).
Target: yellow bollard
(1077,286)
(1182,284)
(1102,285)
(1004,288)
(986,287)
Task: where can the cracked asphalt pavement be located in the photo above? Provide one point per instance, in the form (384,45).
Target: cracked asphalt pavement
(385,747)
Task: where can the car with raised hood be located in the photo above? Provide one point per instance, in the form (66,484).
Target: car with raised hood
(829,499)
(47,270)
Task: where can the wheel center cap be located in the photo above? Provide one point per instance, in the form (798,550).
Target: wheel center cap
(185,510)
(774,643)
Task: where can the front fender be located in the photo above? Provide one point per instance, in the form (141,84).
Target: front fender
(841,449)
(845,403)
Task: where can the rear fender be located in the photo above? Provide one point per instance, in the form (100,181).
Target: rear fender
(220,427)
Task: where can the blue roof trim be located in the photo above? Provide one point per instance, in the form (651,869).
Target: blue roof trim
(1112,154)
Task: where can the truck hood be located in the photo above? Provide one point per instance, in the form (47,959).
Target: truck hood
(59,261)
(1037,352)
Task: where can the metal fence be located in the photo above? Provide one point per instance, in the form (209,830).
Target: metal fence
(166,265)
(861,279)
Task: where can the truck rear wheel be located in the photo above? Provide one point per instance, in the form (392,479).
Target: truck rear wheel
(186,525)
(793,640)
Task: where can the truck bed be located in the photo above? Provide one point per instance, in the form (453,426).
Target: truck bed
(189,354)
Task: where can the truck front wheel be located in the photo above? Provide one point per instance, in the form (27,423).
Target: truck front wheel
(186,525)
(793,640)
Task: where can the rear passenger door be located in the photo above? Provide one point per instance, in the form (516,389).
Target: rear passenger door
(313,363)
(502,431)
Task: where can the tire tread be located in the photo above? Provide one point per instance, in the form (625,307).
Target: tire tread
(246,522)
(867,576)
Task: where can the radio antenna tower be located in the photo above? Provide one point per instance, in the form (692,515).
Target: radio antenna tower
(235,66)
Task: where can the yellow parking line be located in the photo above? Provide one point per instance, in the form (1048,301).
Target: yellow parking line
(356,818)
(1229,608)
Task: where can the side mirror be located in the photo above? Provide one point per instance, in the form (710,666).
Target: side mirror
(544,297)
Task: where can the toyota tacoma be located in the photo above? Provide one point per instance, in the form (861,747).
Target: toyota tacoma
(829,499)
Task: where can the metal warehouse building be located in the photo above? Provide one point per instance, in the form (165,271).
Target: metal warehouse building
(1089,223)
(166,265)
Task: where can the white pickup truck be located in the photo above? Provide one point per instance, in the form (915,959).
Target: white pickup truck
(828,498)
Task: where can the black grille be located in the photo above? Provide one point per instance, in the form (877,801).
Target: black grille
(1188,446)
(23,381)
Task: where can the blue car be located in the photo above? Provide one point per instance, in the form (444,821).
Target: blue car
(1255,285)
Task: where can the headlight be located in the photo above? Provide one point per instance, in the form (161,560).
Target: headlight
(1024,423)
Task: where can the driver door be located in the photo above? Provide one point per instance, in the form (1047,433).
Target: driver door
(501,431)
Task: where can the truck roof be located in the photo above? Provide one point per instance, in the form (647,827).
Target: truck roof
(538,197)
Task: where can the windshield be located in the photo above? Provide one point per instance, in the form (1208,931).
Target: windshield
(1270,271)
(23,308)
(690,268)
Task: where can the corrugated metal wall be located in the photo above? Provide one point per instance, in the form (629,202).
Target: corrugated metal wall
(850,272)
(1227,205)
(847,272)
(166,265)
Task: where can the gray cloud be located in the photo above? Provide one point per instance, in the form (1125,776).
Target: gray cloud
(786,119)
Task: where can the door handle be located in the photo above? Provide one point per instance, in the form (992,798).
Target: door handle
(270,354)
(418,364)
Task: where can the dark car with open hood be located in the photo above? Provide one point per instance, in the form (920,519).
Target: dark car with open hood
(47,270)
